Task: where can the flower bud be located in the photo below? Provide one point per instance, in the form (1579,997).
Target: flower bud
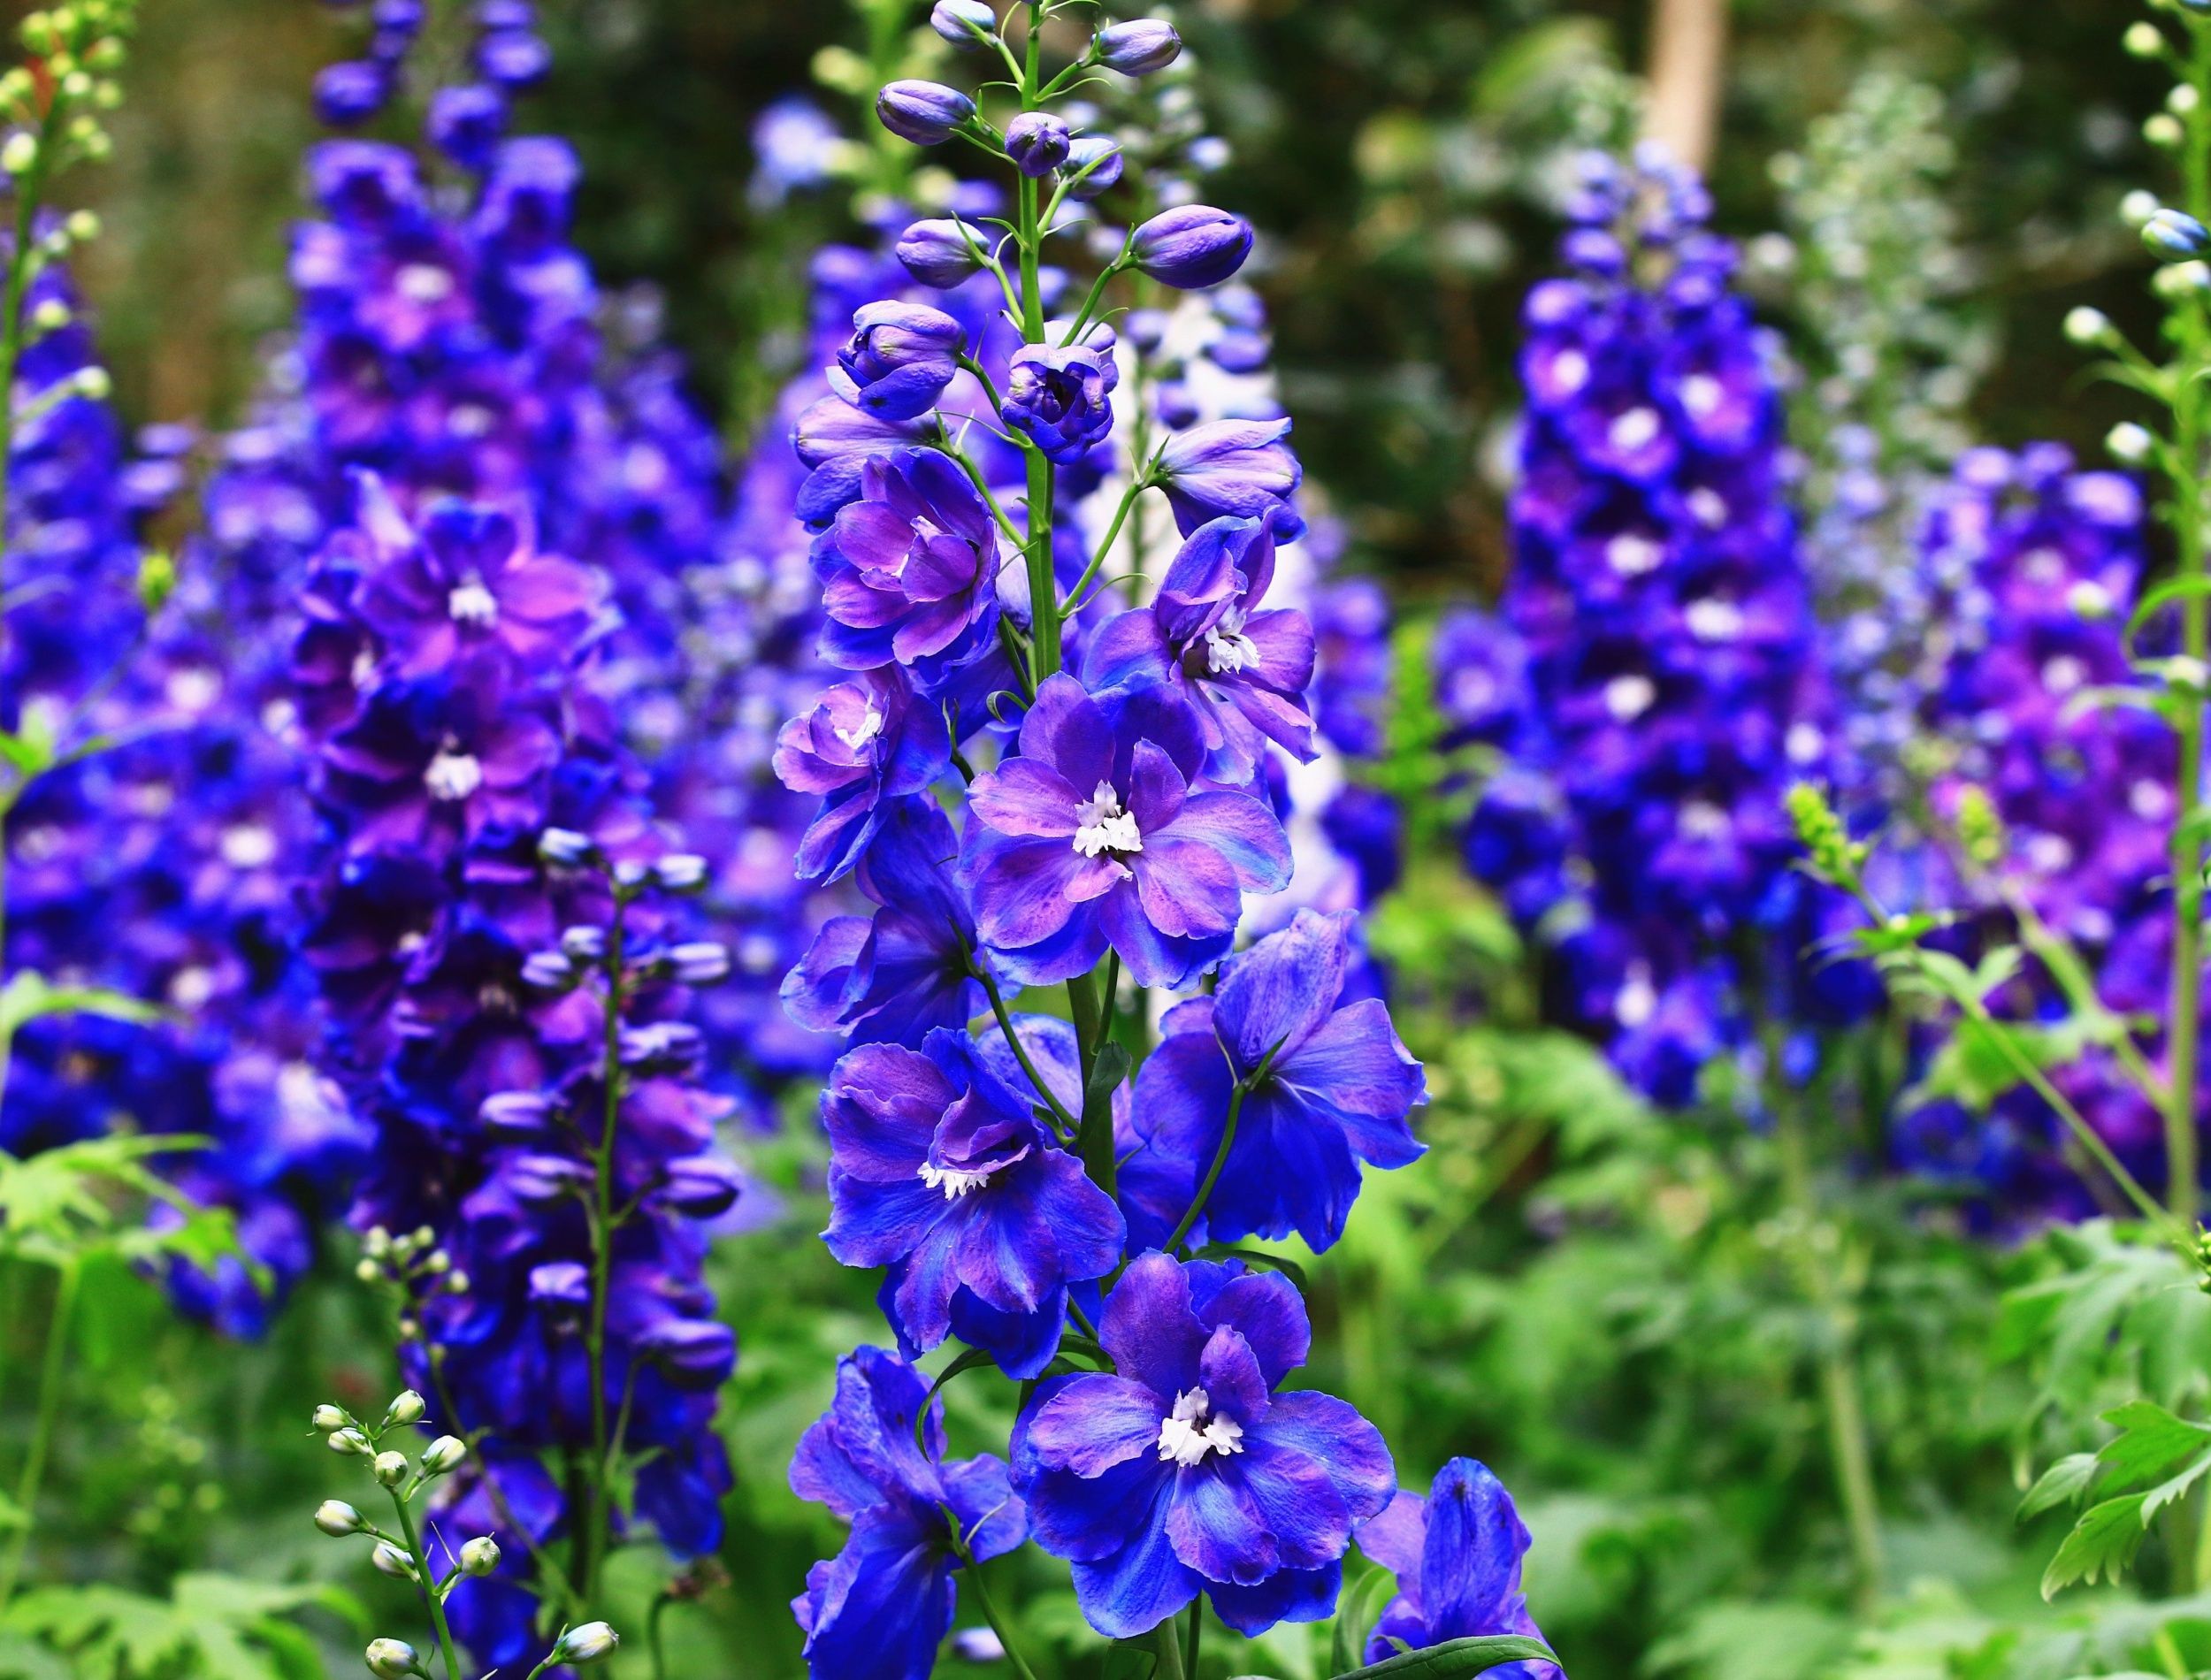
(701,962)
(2088,328)
(479,1556)
(585,1643)
(156,579)
(2178,279)
(516,1113)
(940,252)
(584,942)
(350,1440)
(680,871)
(2131,445)
(338,1519)
(389,1560)
(94,385)
(407,1409)
(567,849)
(2143,38)
(1093,167)
(390,1469)
(1196,245)
(2137,207)
(1038,142)
(701,1186)
(2163,131)
(393,1660)
(966,24)
(444,1454)
(925,112)
(2173,236)
(1137,47)
(330,1419)
(549,971)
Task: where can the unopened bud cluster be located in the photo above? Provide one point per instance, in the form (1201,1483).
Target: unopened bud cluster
(1821,832)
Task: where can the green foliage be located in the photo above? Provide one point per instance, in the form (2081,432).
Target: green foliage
(210,1627)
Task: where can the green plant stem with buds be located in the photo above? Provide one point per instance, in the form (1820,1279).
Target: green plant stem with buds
(428,1581)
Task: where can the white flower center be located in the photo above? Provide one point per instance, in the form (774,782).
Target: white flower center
(1569,371)
(424,283)
(1635,1001)
(1805,743)
(1228,649)
(248,846)
(869,728)
(2064,674)
(1631,555)
(1714,620)
(2050,852)
(1701,819)
(1190,1432)
(1101,825)
(470,603)
(1636,429)
(1708,506)
(453,774)
(1628,698)
(1701,393)
(953,1181)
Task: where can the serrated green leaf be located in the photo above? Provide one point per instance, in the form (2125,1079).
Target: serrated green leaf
(2061,1483)
(1455,1660)
(2100,1546)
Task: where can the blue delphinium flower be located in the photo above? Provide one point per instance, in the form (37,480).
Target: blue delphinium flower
(940,1171)
(1186,1470)
(1101,836)
(1457,1556)
(880,1608)
(1660,611)
(1313,1084)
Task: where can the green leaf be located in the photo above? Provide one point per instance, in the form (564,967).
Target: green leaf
(1455,1660)
(28,996)
(22,756)
(2154,1445)
(1131,1661)
(2062,1484)
(2156,600)
(2100,1546)
(1290,1269)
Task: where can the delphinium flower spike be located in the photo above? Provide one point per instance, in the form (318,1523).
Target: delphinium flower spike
(1056,776)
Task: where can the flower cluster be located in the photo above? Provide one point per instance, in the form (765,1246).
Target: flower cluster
(1654,681)
(2033,562)
(508,978)
(1050,764)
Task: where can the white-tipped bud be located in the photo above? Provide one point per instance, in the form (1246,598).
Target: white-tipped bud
(367,1271)
(407,1409)
(2143,38)
(330,1419)
(350,1440)
(389,1560)
(2137,207)
(2089,328)
(2184,101)
(393,1660)
(585,1643)
(93,382)
(444,1454)
(2180,280)
(378,1240)
(338,1519)
(479,1556)
(457,1283)
(2131,445)
(82,226)
(51,316)
(2164,130)
(390,1469)
(19,153)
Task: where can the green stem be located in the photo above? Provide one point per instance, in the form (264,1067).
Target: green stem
(654,1642)
(986,1604)
(597,1525)
(1212,1173)
(49,1384)
(1193,1635)
(1020,1051)
(1104,548)
(428,1582)
(1847,1438)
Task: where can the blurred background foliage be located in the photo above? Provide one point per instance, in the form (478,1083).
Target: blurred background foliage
(1601,1306)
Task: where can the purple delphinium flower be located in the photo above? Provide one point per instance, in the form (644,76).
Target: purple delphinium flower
(1100,836)
(901,357)
(1242,668)
(1056,395)
(1241,467)
(910,566)
(1191,245)
(866,743)
(906,970)
(1184,1471)
(940,1171)
(1326,1088)
(880,1608)
(1456,1557)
